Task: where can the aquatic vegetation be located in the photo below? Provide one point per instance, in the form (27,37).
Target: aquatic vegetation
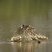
(28,33)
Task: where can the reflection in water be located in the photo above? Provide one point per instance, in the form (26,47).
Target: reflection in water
(24,47)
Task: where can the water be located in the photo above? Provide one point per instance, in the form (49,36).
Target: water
(23,47)
(13,13)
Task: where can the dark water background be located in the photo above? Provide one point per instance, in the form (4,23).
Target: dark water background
(13,13)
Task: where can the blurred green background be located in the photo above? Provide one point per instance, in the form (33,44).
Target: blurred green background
(23,9)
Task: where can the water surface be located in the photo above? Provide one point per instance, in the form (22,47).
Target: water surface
(24,47)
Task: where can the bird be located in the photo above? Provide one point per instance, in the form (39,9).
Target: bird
(28,33)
